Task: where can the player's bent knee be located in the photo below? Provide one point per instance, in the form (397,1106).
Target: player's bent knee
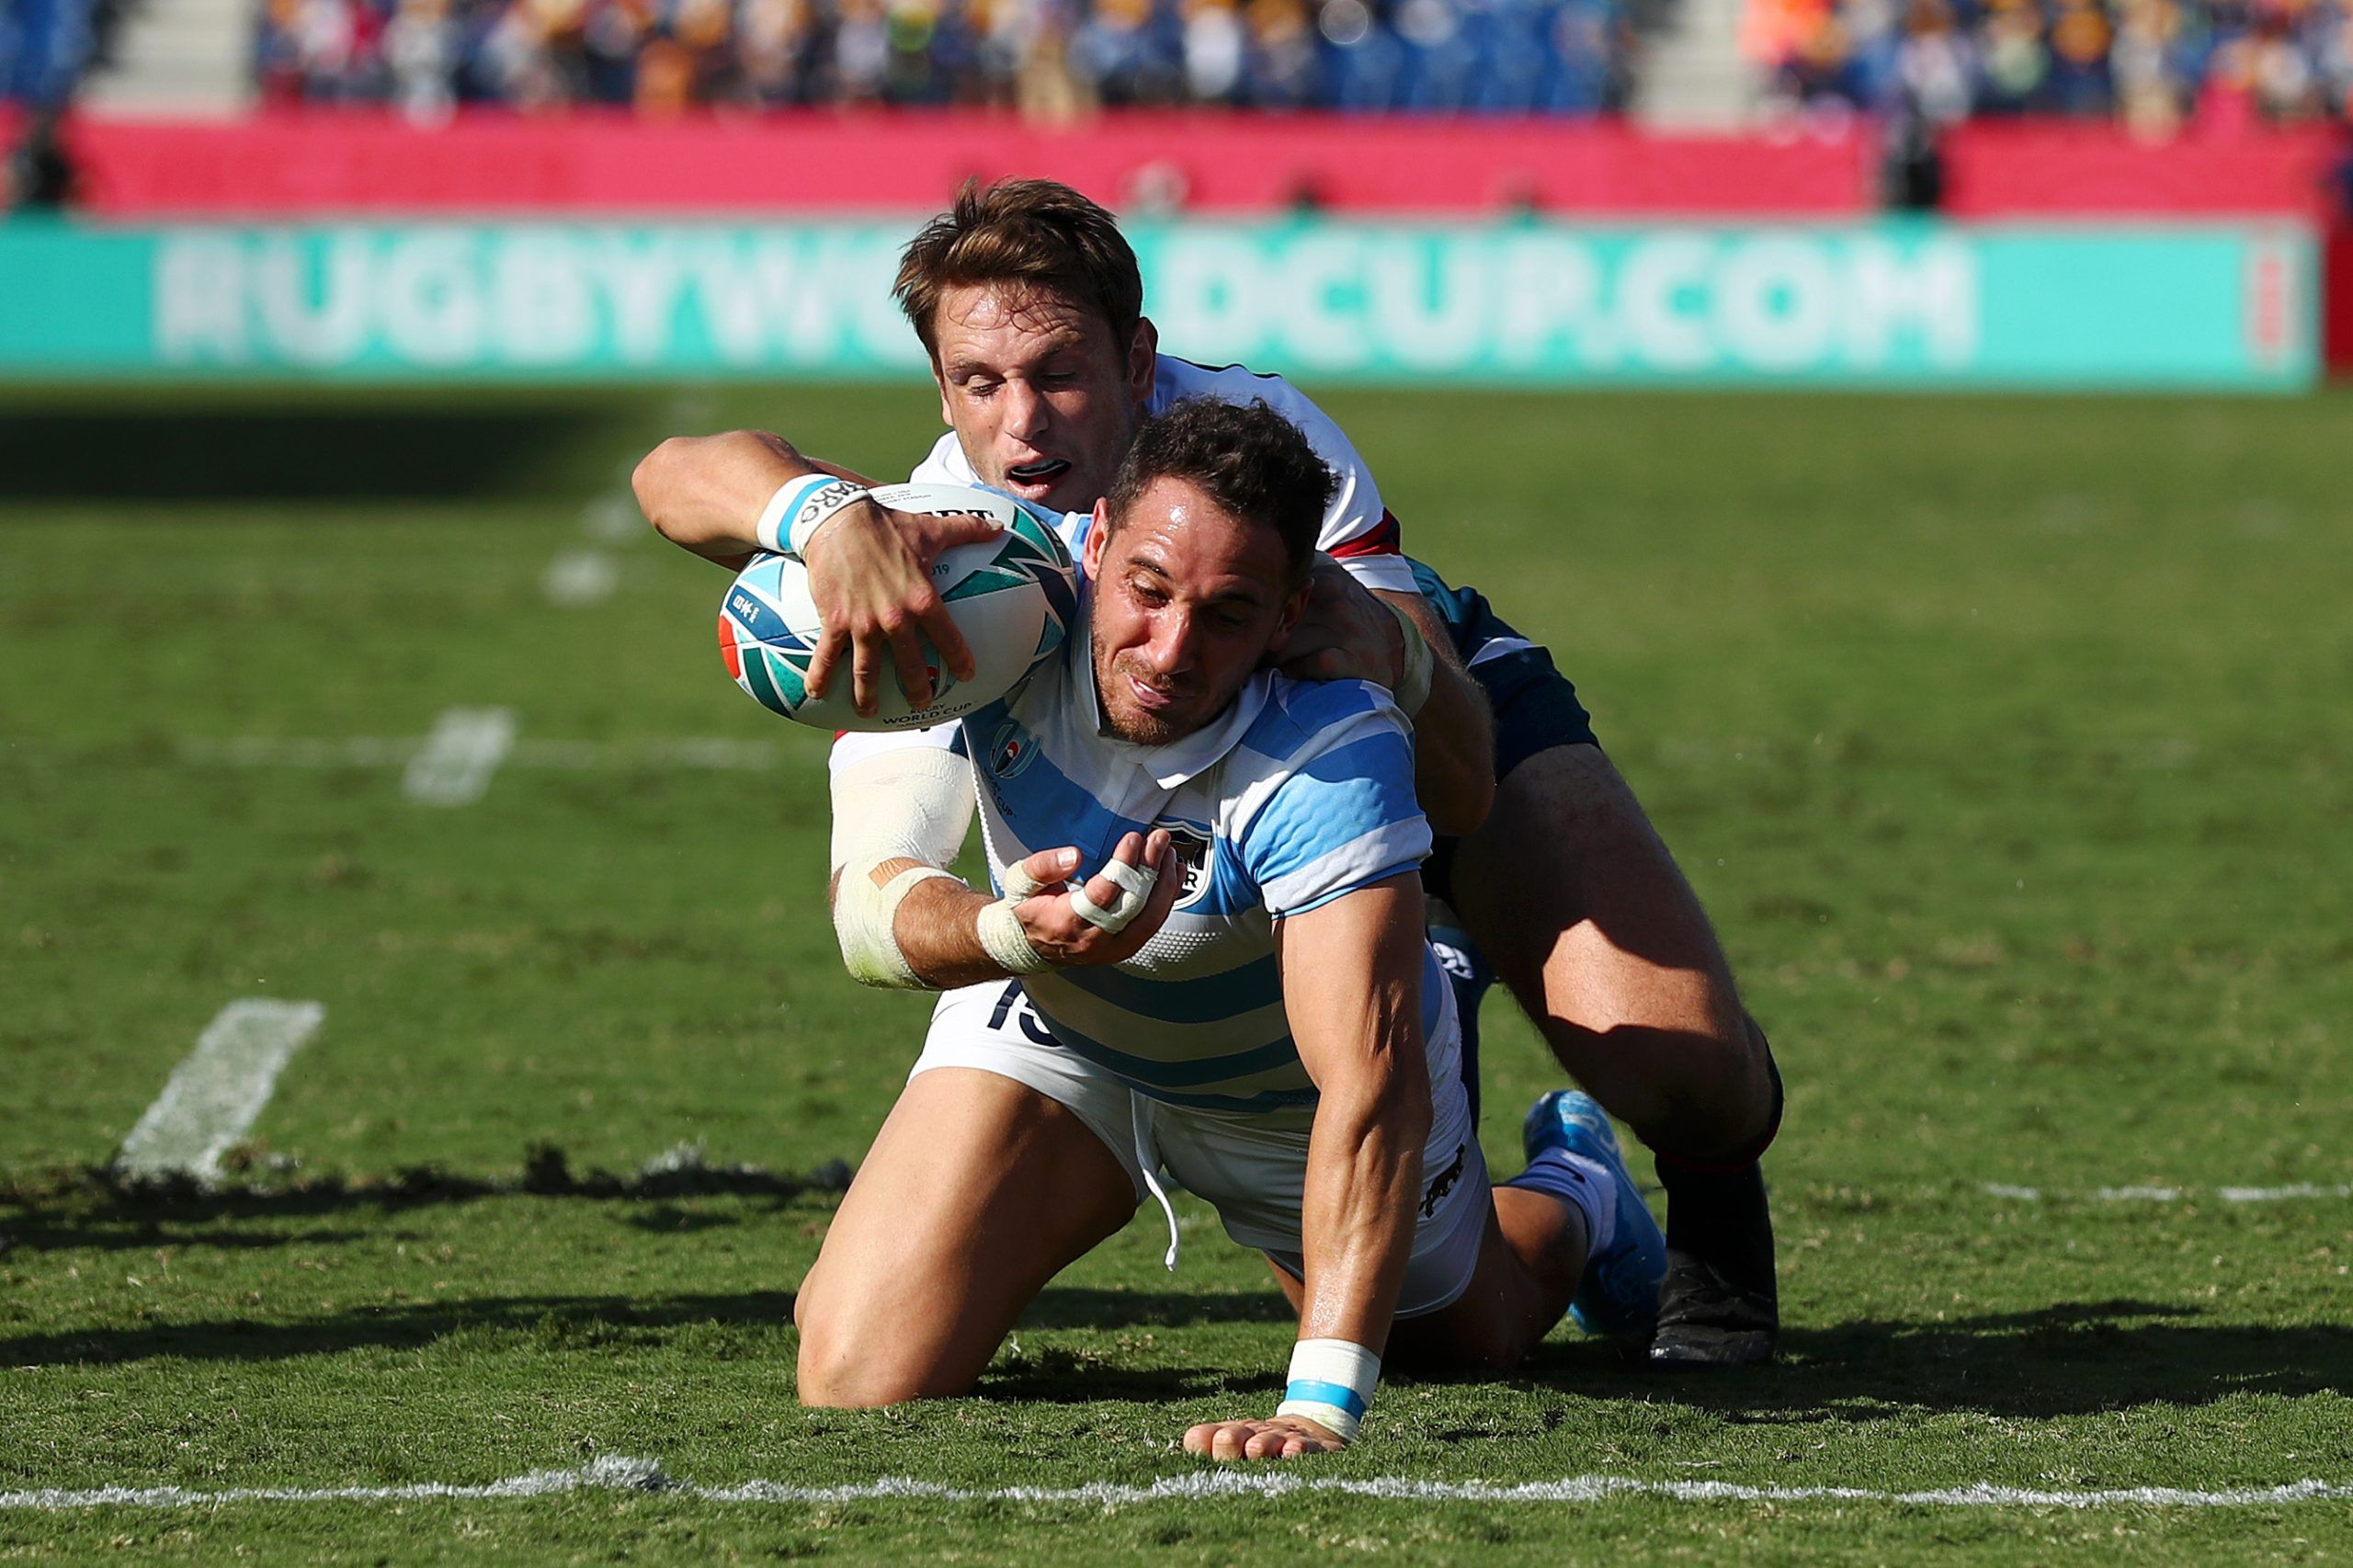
(848,1364)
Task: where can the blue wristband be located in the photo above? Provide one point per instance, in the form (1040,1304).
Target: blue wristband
(799,508)
(1306,1390)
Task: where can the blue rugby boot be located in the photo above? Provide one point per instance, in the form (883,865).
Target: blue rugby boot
(1618,1294)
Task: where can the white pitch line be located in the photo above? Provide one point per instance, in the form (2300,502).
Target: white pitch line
(454,766)
(621,1474)
(2302,1191)
(212,1098)
(580,577)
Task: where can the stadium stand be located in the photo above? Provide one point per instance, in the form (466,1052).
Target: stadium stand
(1051,59)
(44,46)
(2155,65)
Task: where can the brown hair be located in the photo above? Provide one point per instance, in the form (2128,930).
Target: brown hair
(1246,457)
(1022,231)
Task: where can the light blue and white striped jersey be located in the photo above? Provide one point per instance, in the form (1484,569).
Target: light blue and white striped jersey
(1301,792)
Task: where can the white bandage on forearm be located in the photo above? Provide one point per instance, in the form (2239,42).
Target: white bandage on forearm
(1414,685)
(1331,1384)
(800,507)
(1135,884)
(914,802)
(865,919)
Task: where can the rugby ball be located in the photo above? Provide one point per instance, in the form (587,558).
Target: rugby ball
(1012,596)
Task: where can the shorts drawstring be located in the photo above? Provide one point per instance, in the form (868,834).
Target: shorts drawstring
(1148,1160)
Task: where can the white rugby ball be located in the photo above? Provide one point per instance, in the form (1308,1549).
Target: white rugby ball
(1012,596)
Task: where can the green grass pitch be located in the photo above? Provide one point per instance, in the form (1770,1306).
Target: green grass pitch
(2007,740)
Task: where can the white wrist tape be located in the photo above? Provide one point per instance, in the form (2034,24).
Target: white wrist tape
(1414,685)
(1006,943)
(1331,1384)
(800,507)
(1135,884)
(866,920)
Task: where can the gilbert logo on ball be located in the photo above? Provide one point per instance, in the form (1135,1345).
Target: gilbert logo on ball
(1012,596)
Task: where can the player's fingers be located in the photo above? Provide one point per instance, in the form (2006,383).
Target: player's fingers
(946,636)
(1228,1444)
(1045,868)
(822,660)
(1162,858)
(865,674)
(1129,851)
(1320,664)
(1198,1438)
(949,530)
(1270,1443)
(1102,891)
(915,673)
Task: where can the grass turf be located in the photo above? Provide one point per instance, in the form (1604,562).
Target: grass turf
(2004,739)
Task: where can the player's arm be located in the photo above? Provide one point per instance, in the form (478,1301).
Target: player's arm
(1396,641)
(1352,973)
(705,493)
(726,496)
(1346,633)
(908,923)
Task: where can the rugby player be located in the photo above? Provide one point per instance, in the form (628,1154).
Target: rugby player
(1264,1019)
(1029,303)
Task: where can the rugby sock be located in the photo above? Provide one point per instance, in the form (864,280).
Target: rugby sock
(1716,1210)
(1586,1186)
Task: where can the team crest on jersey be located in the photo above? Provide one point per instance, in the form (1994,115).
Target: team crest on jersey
(1192,847)
(1011,749)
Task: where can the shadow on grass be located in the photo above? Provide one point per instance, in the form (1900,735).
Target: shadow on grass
(1054,1376)
(100,1208)
(367,447)
(2068,1358)
(550,1323)
(1073,1306)
(748,1325)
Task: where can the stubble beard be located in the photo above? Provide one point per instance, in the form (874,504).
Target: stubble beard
(1127,723)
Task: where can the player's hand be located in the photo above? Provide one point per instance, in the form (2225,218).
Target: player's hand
(1277,1437)
(1344,635)
(1063,937)
(869,572)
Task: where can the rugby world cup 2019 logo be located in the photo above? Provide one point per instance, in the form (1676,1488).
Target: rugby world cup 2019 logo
(1011,750)
(1192,845)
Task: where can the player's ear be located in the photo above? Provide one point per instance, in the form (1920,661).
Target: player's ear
(1286,618)
(1090,554)
(940,379)
(1143,356)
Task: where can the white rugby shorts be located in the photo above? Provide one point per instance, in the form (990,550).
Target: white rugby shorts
(1252,1167)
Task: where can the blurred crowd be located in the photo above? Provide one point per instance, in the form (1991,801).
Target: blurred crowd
(1049,58)
(2155,65)
(45,44)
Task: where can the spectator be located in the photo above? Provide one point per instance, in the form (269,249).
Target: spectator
(1054,59)
(2152,64)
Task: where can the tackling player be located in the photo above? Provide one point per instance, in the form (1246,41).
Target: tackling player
(1267,1021)
(1030,303)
